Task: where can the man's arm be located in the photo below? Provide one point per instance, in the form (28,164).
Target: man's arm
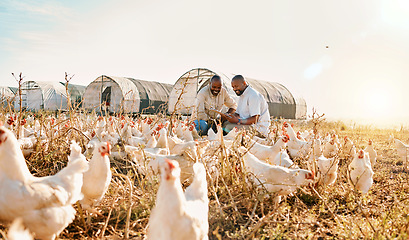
(229,102)
(199,108)
(231,110)
(233,118)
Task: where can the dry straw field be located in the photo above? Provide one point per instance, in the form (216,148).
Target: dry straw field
(237,208)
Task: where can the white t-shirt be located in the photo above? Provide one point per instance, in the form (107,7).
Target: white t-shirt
(252,103)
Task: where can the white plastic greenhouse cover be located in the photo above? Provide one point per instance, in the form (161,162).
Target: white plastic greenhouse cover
(6,93)
(43,95)
(123,91)
(131,99)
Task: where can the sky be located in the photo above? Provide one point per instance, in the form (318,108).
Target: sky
(348,59)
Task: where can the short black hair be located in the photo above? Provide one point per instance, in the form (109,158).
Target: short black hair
(215,77)
(238,77)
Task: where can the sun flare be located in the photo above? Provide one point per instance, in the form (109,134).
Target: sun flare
(377,103)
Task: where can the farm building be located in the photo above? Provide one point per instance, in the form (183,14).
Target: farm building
(6,96)
(281,102)
(13,89)
(76,93)
(128,95)
(42,96)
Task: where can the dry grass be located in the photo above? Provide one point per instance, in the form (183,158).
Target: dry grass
(241,211)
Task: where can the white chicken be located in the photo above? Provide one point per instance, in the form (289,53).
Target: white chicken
(173,140)
(187,133)
(268,153)
(133,140)
(179,130)
(43,203)
(100,125)
(264,141)
(276,179)
(195,134)
(284,160)
(192,148)
(330,149)
(27,145)
(327,170)
(10,123)
(148,162)
(316,148)
(146,126)
(232,134)
(348,150)
(299,136)
(372,153)
(98,177)
(360,172)
(179,215)
(403,151)
(296,147)
(25,131)
(151,141)
(162,141)
(213,136)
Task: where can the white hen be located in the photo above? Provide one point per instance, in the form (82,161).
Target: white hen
(276,179)
(327,170)
(330,149)
(177,215)
(162,141)
(212,136)
(268,153)
(187,133)
(284,160)
(296,147)
(232,134)
(148,162)
(98,177)
(347,150)
(403,151)
(43,203)
(360,172)
(372,153)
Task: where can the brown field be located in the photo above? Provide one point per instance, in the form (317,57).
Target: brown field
(241,211)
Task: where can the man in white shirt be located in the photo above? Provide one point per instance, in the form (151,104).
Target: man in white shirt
(211,97)
(252,109)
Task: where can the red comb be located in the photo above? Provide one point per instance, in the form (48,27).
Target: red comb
(361,153)
(171,165)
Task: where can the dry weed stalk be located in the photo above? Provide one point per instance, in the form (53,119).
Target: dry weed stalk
(176,109)
(20,82)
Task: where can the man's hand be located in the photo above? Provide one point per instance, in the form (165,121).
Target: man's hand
(233,118)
